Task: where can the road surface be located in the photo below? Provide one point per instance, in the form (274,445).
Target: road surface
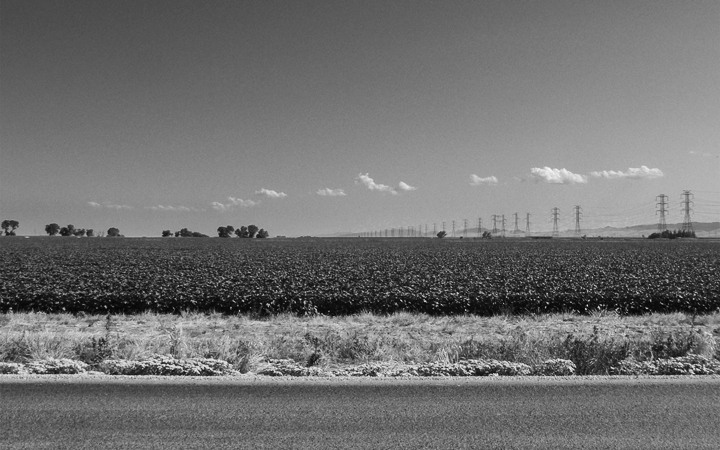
(148,413)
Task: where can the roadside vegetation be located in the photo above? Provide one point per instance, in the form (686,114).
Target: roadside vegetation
(363,344)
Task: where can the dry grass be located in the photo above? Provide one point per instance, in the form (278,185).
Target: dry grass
(594,342)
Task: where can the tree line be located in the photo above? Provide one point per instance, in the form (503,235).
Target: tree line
(251,231)
(9,227)
(673,234)
(53,229)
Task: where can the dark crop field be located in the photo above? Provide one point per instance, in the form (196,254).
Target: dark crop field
(346,276)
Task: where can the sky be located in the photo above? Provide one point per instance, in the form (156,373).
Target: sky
(321,117)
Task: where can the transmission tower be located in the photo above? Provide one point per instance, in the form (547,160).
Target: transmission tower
(503,225)
(494,219)
(434,229)
(479,225)
(443,224)
(527,223)
(516,230)
(465,228)
(555,212)
(425,230)
(453,223)
(687,222)
(577,219)
(662,204)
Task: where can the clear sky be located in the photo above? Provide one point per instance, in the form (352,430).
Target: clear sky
(315,117)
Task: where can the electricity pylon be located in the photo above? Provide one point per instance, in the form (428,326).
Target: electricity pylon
(465,228)
(555,212)
(577,220)
(516,230)
(503,225)
(687,222)
(662,226)
(527,223)
(494,219)
(479,226)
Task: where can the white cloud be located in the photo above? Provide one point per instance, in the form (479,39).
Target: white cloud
(171,208)
(327,192)
(232,202)
(406,187)
(270,193)
(108,205)
(643,172)
(477,181)
(706,154)
(372,185)
(556,176)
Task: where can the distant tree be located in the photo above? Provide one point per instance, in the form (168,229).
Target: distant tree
(177,234)
(242,232)
(197,234)
(90,232)
(262,234)
(113,232)
(10,226)
(52,229)
(79,232)
(441,234)
(185,233)
(64,231)
(486,235)
(167,233)
(252,231)
(667,234)
(226,232)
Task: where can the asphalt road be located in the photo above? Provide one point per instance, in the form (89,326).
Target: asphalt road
(137,413)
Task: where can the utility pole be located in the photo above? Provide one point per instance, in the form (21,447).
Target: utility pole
(577,220)
(503,225)
(516,230)
(494,219)
(527,223)
(662,204)
(555,212)
(687,222)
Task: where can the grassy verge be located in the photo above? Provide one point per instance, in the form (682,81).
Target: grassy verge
(594,343)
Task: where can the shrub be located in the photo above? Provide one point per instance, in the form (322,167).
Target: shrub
(11,368)
(167,365)
(56,366)
(555,367)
